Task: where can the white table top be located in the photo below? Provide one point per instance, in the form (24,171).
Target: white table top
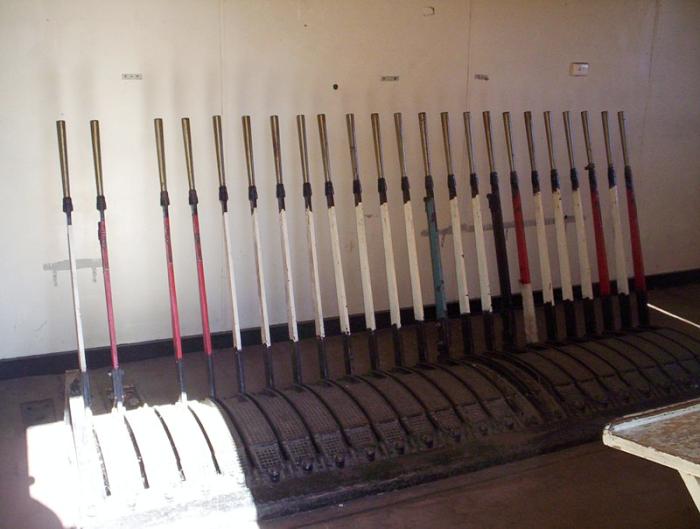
(669,436)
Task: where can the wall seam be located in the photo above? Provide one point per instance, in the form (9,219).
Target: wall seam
(652,48)
(222,263)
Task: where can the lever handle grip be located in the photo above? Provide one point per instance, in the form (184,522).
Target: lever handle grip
(377,139)
(352,144)
(248,146)
(160,150)
(489,140)
(303,148)
(219,146)
(97,155)
(422,125)
(323,139)
(468,136)
(187,140)
(587,136)
(63,157)
(399,143)
(445,120)
(276,148)
(509,141)
(569,139)
(607,138)
(530,140)
(623,137)
(550,139)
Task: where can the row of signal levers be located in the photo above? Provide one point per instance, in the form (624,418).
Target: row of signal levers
(494,201)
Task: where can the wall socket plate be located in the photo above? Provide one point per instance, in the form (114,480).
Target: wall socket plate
(579,69)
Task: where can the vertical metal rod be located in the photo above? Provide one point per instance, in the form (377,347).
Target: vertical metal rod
(598,231)
(414,271)
(481,260)
(335,245)
(116,372)
(640,286)
(584,262)
(203,305)
(433,237)
(567,290)
(174,313)
(621,277)
(529,317)
(542,246)
(313,253)
(387,239)
(68,210)
(286,254)
(257,244)
(499,237)
(365,275)
(223,198)
(457,244)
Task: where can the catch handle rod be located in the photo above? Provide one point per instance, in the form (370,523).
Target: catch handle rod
(248,146)
(379,160)
(303,148)
(399,144)
(509,141)
(489,140)
(249,162)
(219,146)
(468,136)
(377,139)
(276,148)
(445,121)
(550,141)
(63,157)
(187,140)
(277,153)
(623,137)
(160,151)
(424,142)
(352,144)
(587,137)
(530,141)
(304,156)
(97,159)
(323,137)
(607,138)
(569,139)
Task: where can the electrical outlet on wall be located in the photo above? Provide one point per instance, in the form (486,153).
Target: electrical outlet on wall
(579,69)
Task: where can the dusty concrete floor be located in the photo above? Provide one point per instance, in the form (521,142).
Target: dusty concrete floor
(586,486)
(589,486)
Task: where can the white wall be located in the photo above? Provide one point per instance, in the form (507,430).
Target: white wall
(64,60)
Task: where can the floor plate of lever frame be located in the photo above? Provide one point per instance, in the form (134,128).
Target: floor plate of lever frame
(276,451)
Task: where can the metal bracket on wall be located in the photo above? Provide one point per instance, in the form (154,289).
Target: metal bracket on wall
(469,228)
(60,266)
